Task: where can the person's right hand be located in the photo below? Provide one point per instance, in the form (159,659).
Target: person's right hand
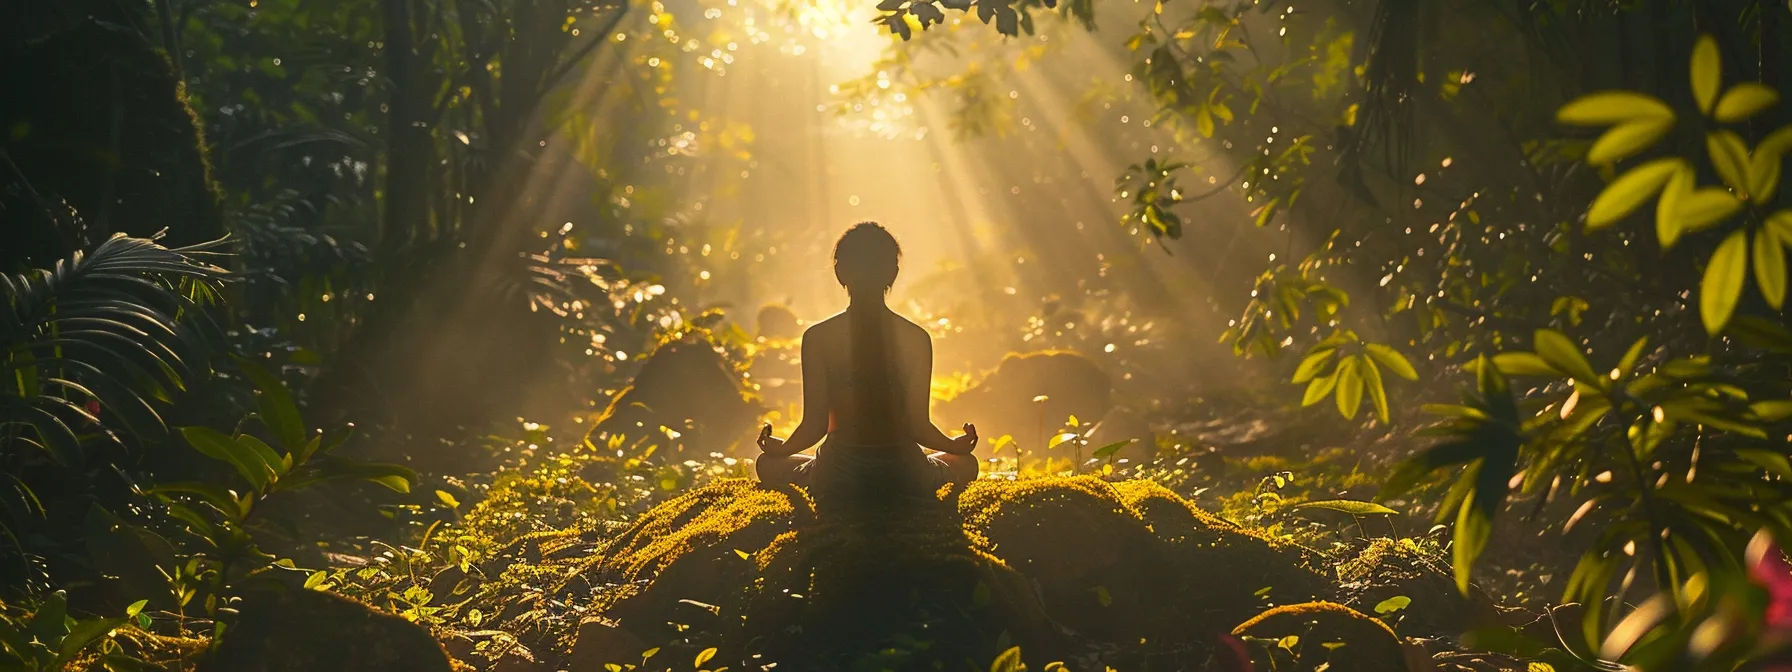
(767,442)
(967,440)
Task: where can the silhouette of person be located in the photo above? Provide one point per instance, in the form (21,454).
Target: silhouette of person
(867,375)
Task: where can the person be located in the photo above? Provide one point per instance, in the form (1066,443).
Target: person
(867,376)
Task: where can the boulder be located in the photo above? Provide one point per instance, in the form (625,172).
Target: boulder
(1063,567)
(293,630)
(688,387)
(1003,402)
(1317,636)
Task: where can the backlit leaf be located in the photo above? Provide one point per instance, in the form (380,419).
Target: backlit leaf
(1378,395)
(1350,506)
(1350,387)
(1319,388)
(1625,194)
(1770,268)
(1743,101)
(1627,139)
(1392,604)
(1729,155)
(1613,107)
(1310,366)
(1722,286)
(1561,353)
(1704,207)
(1390,358)
(1707,70)
(1523,364)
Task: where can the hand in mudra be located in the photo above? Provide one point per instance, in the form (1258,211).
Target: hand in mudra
(968,439)
(767,442)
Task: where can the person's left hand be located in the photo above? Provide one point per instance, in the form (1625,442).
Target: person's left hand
(968,440)
(767,442)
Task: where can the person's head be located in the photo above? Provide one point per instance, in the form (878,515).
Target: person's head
(866,260)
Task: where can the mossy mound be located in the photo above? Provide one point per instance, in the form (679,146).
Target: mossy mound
(1067,568)
(294,630)
(1388,568)
(1321,636)
(688,387)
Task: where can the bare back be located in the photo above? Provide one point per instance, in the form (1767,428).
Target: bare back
(831,386)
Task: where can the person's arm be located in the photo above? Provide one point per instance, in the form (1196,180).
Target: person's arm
(814,425)
(920,395)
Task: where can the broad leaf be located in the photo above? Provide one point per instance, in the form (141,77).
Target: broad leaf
(274,404)
(1561,353)
(216,445)
(1729,155)
(1350,506)
(1613,107)
(1743,101)
(1770,267)
(1627,139)
(1350,387)
(1722,286)
(1707,71)
(1625,194)
(1390,358)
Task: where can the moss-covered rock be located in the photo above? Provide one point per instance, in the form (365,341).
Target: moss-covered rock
(1063,567)
(306,630)
(1388,568)
(1322,636)
(688,387)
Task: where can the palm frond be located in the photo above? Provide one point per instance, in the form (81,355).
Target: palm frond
(111,328)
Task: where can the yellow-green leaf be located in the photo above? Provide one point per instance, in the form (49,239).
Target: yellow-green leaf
(1707,71)
(1350,387)
(1667,210)
(1743,101)
(1627,139)
(704,656)
(1780,223)
(1310,366)
(1523,364)
(1770,267)
(1395,362)
(1703,208)
(1378,395)
(1613,107)
(1729,155)
(1779,142)
(1557,349)
(1763,175)
(1320,387)
(1630,190)
(1722,286)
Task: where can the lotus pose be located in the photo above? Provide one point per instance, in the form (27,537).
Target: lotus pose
(867,375)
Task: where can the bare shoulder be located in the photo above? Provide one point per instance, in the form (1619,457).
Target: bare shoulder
(826,330)
(908,331)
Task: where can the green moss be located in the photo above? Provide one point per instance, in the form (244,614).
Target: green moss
(1327,634)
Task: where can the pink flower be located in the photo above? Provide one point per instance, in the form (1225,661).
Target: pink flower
(1767,566)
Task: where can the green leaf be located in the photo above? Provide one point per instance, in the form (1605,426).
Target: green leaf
(1395,362)
(262,451)
(84,634)
(1770,268)
(1555,347)
(1524,364)
(1319,388)
(1707,71)
(1110,450)
(1628,362)
(1729,155)
(1627,139)
(275,407)
(1773,410)
(1474,526)
(1350,506)
(1311,365)
(1701,208)
(1378,395)
(1764,169)
(1350,387)
(331,468)
(1722,286)
(704,656)
(214,444)
(216,496)
(448,499)
(1743,101)
(1667,210)
(1625,194)
(1392,604)
(1613,107)
(1009,661)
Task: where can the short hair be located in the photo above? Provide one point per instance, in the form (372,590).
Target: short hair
(867,258)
